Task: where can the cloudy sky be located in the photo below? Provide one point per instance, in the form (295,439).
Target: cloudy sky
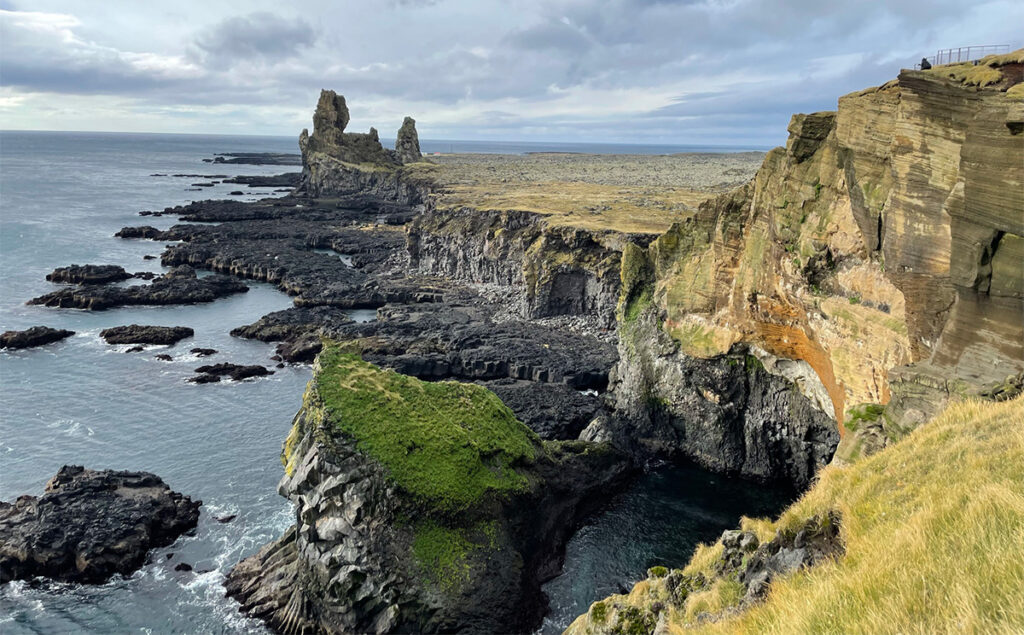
(643,71)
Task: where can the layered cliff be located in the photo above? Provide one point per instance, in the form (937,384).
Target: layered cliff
(419,507)
(878,251)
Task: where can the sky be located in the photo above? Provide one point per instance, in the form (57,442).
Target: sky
(728,72)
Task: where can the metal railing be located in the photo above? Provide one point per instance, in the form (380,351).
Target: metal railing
(965,54)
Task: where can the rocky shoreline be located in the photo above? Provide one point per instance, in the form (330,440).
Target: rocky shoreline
(535,347)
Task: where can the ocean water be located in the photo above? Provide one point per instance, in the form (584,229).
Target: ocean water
(81,401)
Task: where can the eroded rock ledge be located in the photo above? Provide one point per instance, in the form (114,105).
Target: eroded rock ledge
(429,509)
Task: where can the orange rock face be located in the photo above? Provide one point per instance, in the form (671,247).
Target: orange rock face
(883,246)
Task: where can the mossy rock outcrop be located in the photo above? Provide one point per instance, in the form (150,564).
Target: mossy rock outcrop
(419,507)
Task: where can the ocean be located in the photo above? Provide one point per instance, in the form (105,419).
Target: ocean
(81,401)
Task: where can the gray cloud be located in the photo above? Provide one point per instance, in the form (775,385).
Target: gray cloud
(262,36)
(621,70)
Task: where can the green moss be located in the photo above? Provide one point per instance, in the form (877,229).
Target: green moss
(443,554)
(599,612)
(753,364)
(862,413)
(634,621)
(657,572)
(446,443)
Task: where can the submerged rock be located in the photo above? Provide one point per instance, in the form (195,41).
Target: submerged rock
(34,336)
(90,525)
(139,334)
(88,274)
(236,372)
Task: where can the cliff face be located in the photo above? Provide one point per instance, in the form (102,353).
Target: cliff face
(879,250)
(419,507)
(556,270)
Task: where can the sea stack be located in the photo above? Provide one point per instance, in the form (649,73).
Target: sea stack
(407,143)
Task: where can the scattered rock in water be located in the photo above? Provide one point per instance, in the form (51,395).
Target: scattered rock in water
(135,349)
(172,288)
(170,555)
(226,519)
(237,193)
(90,525)
(145,275)
(237,372)
(204,379)
(139,334)
(182,566)
(290,179)
(164,357)
(207,184)
(203,352)
(145,231)
(148,257)
(88,274)
(34,336)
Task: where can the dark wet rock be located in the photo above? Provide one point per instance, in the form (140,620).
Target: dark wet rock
(166,290)
(88,274)
(90,525)
(182,272)
(207,184)
(236,372)
(149,257)
(292,323)
(183,566)
(256,158)
(204,379)
(164,357)
(34,336)
(553,411)
(139,334)
(203,352)
(146,231)
(237,193)
(146,275)
(226,519)
(135,349)
(302,349)
(289,179)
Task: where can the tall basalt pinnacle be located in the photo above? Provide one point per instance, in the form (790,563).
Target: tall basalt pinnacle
(331,117)
(329,137)
(407,143)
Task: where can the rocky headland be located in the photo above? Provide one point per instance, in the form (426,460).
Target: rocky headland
(547,325)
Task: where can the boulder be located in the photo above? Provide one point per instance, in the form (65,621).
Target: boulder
(34,336)
(89,525)
(139,334)
(88,274)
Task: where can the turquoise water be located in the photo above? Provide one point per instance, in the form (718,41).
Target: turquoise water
(81,401)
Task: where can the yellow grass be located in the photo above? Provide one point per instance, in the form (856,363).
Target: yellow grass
(586,205)
(934,535)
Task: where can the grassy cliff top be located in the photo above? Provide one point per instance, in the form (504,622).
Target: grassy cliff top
(933,528)
(446,442)
(987,72)
(628,193)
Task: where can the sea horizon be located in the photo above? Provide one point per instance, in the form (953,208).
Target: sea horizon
(469,146)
